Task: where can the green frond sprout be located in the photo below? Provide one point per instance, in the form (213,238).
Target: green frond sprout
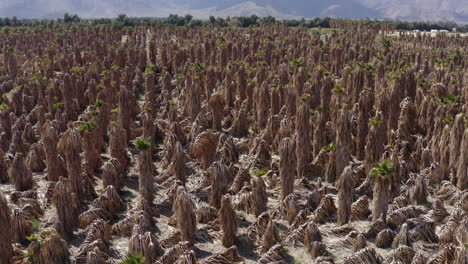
(88,126)
(143,144)
(383,168)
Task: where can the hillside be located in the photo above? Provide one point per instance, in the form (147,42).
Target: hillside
(431,10)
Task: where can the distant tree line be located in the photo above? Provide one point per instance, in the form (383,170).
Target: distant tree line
(417,25)
(123,20)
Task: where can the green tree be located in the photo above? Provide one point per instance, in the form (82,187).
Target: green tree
(269,20)
(188,18)
(67,18)
(212,20)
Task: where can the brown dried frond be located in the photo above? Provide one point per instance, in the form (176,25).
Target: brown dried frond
(343,140)
(349,239)
(314,199)
(227,152)
(419,258)
(262,107)
(425,231)
(185,213)
(312,234)
(95,256)
(20,173)
(270,237)
(256,230)
(124,226)
(146,176)
(297,235)
(35,158)
(445,255)
(302,139)
(147,245)
(345,185)
(3,167)
(70,145)
(377,226)
(291,206)
(243,200)
(447,235)
(98,230)
(300,219)
(384,238)
(402,238)
(418,192)
(95,250)
(273,255)
(172,254)
(204,148)
(341,230)
(179,167)
(284,131)
(287,166)
(317,249)
(240,179)
(111,175)
(89,216)
(34,250)
(325,209)
(462,170)
(118,144)
(6,250)
(399,216)
(171,240)
(271,130)
(31,207)
(360,208)
(206,214)
(216,104)
(240,125)
(461,255)
(176,130)
(262,155)
(259,196)
(189,257)
(439,213)
(462,202)
(448,192)
(367,255)
(87,188)
(109,200)
(228,256)
(169,148)
(381,197)
(54,250)
(49,193)
(20,225)
(200,124)
(15,196)
(67,210)
(229,222)
(403,253)
(92,144)
(398,202)
(220,181)
(359,243)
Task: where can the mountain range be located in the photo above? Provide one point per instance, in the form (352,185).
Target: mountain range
(422,10)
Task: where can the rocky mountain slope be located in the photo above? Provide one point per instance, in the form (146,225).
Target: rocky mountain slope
(433,10)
